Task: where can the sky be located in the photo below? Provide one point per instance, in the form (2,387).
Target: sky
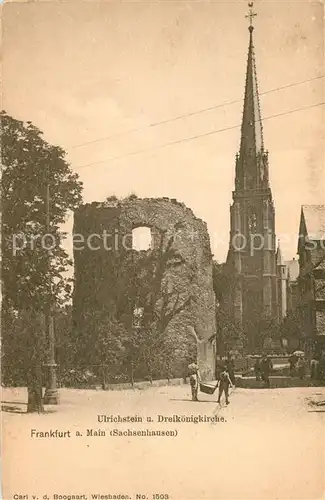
(84,71)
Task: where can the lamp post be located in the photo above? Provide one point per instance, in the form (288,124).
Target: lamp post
(1,273)
(51,396)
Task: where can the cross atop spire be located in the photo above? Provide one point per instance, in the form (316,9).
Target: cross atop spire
(251,15)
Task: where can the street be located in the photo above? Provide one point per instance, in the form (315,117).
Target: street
(269,446)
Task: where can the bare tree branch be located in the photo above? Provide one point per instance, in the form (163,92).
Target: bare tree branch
(193,333)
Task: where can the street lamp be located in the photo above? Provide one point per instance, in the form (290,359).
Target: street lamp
(51,396)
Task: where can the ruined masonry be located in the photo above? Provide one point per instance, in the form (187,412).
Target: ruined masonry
(95,270)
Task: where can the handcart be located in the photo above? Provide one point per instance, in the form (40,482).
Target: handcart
(208,388)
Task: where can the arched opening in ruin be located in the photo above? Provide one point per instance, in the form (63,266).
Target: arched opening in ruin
(141,238)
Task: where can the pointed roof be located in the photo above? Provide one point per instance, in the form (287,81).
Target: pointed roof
(251,130)
(279,258)
(314,220)
(312,225)
(252,165)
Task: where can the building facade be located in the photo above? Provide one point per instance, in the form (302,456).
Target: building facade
(311,280)
(287,286)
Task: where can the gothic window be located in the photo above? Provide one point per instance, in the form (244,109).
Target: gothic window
(262,172)
(252,222)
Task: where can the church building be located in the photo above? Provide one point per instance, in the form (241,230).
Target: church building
(258,274)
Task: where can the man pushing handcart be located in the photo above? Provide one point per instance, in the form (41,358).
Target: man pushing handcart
(224,384)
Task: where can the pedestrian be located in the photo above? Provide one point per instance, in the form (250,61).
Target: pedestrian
(266,368)
(257,369)
(301,367)
(314,366)
(231,368)
(292,362)
(195,379)
(321,367)
(224,384)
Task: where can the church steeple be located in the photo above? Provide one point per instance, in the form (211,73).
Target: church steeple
(251,168)
(252,219)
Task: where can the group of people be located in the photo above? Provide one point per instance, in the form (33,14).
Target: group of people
(263,368)
(226,380)
(297,365)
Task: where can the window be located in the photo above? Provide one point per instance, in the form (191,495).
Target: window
(141,239)
(252,222)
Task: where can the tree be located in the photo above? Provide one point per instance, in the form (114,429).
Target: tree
(33,261)
(158,283)
(103,345)
(18,337)
(266,329)
(229,331)
(291,328)
(220,280)
(254,333)
(153,286)
(166,298)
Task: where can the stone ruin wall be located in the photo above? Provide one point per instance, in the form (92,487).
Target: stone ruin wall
(120,217)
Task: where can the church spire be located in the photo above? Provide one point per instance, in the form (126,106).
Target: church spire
(252,169)
(251,131)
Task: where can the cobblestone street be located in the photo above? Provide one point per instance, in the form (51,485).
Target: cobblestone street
(269,446)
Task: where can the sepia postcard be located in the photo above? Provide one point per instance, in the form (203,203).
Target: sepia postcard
(162,250)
